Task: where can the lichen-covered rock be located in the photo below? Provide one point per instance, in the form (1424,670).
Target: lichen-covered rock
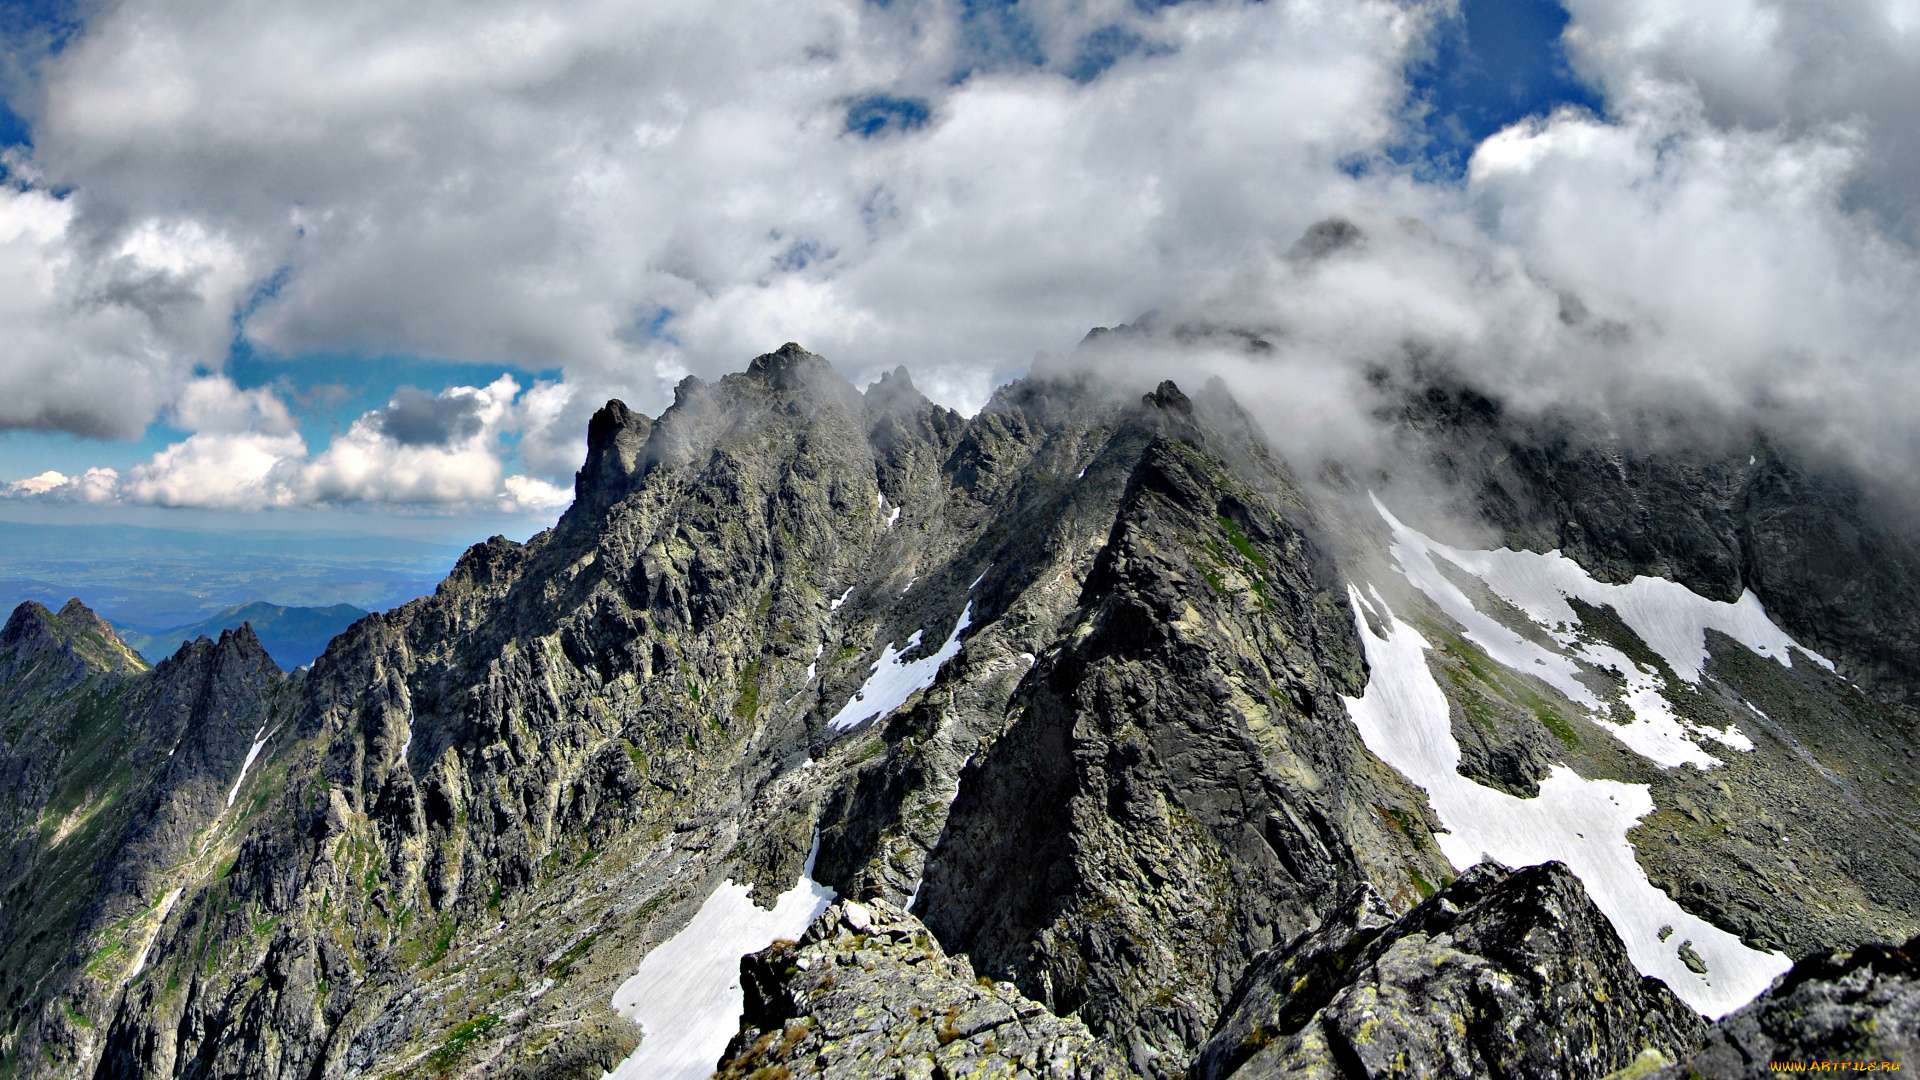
(1858,1006)
(1509,974)
(867,994)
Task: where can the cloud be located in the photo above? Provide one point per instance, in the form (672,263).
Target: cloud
(214,404)
(93,486)
(632,193)
(448,453)
(99,338)
(1768,66)
(459,464)
(417,418)
(536,185)
(219,470)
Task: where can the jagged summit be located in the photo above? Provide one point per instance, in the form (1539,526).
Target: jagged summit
(789,367)
(238,645)
(76,630)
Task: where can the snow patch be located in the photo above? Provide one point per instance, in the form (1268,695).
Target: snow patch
(159,920)
(686,996)
(894,680)
(981,578)
(259,740)
(1403,718)
(1670,618)
(835,606)
(815,662)
(893,517)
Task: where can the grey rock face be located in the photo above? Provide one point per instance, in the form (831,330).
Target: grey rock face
(1860,1006)
(868,994)
(1839,572)
(1178,785)
(1499,974)
(118,781)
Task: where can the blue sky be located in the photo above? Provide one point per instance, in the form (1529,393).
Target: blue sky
(1495,63)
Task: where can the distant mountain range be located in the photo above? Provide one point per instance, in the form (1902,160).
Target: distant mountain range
(146,579)
(293,636)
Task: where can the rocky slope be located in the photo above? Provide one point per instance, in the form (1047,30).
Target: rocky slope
(867,991)
(1499,974)
(125,793)
(1078,681)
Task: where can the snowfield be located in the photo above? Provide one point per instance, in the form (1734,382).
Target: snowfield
(1403,718)
(160,913)
(894,680)
(259,743)
(1672,619)
(686,996)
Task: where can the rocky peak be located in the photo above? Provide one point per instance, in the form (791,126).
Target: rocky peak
(789,367)
(615,437)
(910,435)
(1167,398)
(1174,412)
(242,647)
(31,622)
(815,1006)
(80,618)
(492,562)
(234,646)
(894,388)
(33,632)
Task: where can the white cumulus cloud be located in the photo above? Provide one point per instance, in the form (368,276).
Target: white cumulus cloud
(440,450)
(632,193)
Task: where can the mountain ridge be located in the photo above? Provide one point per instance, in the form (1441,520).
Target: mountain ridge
(293,636)
(442,848)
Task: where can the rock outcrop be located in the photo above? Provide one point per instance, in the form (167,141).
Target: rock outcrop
(868,992)
(1177,786)
(1508,974)
(1837,1010)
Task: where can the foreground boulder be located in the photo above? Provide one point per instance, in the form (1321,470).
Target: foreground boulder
(1509,974)
(1852,1007)
(867,993)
